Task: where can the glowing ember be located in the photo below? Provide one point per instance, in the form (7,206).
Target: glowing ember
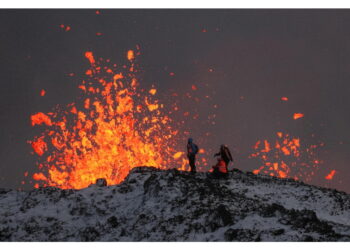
(42,92)
(113,127)
(40,118)
(131,55)
(330,175)
(286,158)
(284,98)
(91,58)
(152,91)
(65,28)
(178,155)
(298,116)
(39,146)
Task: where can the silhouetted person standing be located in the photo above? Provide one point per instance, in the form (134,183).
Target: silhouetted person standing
(192,150)
(225,154)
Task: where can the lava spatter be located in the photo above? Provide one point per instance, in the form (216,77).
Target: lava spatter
(286,158)
(112,127)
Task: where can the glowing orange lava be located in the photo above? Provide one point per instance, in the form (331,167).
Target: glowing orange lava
(298,116)
(131,55)
(330,175)
(113,127)
(286,158)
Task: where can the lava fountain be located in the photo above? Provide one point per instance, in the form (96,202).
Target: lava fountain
(113,127)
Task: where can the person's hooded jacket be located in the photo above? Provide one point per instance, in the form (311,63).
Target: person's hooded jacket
(192,149)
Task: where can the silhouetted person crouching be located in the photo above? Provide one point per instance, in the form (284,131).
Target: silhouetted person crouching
(225,154)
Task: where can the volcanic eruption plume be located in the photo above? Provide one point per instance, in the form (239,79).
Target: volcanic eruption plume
(113,127)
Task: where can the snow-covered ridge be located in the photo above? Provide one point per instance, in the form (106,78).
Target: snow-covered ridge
(168,205)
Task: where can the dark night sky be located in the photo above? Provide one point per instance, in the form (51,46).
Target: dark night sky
(261,55)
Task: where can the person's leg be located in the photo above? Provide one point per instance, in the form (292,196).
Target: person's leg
(190,160)
(193,163)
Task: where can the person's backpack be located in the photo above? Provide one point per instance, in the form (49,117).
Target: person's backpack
(195,149)
(227,154)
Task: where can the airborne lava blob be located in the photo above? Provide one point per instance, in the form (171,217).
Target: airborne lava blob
(330,175)
(114,127)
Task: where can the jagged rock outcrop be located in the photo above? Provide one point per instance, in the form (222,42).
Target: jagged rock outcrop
(169,205)
(101,182)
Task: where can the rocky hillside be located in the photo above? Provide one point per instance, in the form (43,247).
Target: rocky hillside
(159,205)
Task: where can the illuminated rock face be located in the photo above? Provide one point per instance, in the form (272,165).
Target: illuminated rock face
(170,205)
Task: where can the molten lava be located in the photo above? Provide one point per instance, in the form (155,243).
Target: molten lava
(298,116)
(65,27)
(286,158)
(113,127)
(330,175)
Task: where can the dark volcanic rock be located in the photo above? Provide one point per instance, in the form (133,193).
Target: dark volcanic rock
(5,234)
(101,182)
(224,215)
(171,205)
(89,234)
(113,221)
(241,235)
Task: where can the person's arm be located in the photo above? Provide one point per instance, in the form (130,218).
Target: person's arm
(229,153)
(217,154)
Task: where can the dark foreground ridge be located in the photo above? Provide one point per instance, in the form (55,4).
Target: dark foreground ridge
(168,205)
